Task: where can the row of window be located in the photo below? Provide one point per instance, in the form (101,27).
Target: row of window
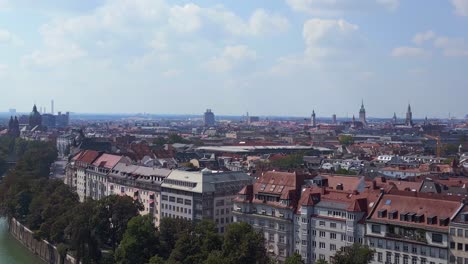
(404,247)
(177,209)
(401,259)
(459,246)
(458,232)
(173,199)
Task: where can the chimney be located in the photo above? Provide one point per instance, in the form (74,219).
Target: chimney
(383,179)
(374,184)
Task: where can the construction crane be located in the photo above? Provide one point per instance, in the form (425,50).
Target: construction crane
(439,144)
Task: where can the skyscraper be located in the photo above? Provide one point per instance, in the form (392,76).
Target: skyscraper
(334,118)
(209,118)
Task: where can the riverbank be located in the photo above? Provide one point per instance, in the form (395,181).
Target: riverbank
(41,248)
(12,251)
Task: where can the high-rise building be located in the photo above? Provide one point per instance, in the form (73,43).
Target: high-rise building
(409,116)
(334,119)
(362,114)
(209,118)
(394,119)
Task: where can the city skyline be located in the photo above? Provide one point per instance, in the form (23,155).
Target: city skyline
(183,57)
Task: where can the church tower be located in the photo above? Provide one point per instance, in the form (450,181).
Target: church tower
(409,116)
(312,119)
(394,119)
(362,114)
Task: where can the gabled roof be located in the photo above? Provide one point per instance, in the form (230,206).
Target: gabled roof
(107,161)
(86,156)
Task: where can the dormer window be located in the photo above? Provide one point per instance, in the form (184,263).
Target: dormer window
(444,221)
(393,214)
(432,220)
(419,218)
(382,213)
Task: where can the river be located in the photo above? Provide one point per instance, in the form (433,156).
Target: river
(11,251)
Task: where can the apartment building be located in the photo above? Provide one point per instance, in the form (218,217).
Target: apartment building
(96,178)
(75,175)
(201,195)
(140,183)
(328,219)
(269,206)
(410,227)
(458,237)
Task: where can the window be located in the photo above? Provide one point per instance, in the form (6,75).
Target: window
(164,197)
(281,239)
(466,247)
(333,225)
(272,225)
(376,229)
(452,245)
(322,223)
(380,243)
(405,247)
(459,246)
(379,257)
(460,232)
(180,200)
(281,227)
(414,260)
(397,258)
(414,249)
(322,234)
(304,242)
(332,235)
(332,247)
(187,202)
(436,238)
(423,261)
(321,245)
(271,237)
(423,251)
(405,259)
(388,258)
(171,199)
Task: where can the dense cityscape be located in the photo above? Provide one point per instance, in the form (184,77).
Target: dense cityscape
(309,187)
(233,132)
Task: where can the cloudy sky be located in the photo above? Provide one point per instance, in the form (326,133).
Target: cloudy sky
(268,57)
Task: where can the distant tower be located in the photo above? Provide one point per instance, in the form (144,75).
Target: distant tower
(209,118)
(52,106)
(334,118)
(313,120)
(409,116)
(394,119)
(362,114)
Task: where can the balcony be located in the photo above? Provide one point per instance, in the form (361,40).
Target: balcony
(417,236)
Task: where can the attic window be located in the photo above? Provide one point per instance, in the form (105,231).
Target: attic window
(388,202)
(262,187)
(393,214)
(272,187)
(432,220)
(410,217)
(382,213)
(419,218)
(402,216)
(444,221)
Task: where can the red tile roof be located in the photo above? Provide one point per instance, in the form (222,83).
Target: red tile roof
(107,161)
(420,204)
(86,156)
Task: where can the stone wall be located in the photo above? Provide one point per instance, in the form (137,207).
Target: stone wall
(43,249)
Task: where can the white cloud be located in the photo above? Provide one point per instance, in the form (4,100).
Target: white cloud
(3,69)
(262,22)
(422,37)
(231,57)
(408,52)
(321,36)
(53,57)
(7,37)
(461,7)
(185,18)
(451,47)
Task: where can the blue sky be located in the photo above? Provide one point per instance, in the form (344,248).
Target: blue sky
(268,57)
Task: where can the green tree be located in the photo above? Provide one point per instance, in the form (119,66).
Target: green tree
(321,261)
(170,231)
(355,254)
(289,162)
(294,259)
(242,244)
(139,243)
(112,215)
(346,140)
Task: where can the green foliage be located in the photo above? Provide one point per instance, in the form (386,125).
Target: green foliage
(289,162)
(321,261)
(139,242)
(156,260)
(294,259)
(242,244)
(355,254)
(345,172)
(111,218)
(346,140)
